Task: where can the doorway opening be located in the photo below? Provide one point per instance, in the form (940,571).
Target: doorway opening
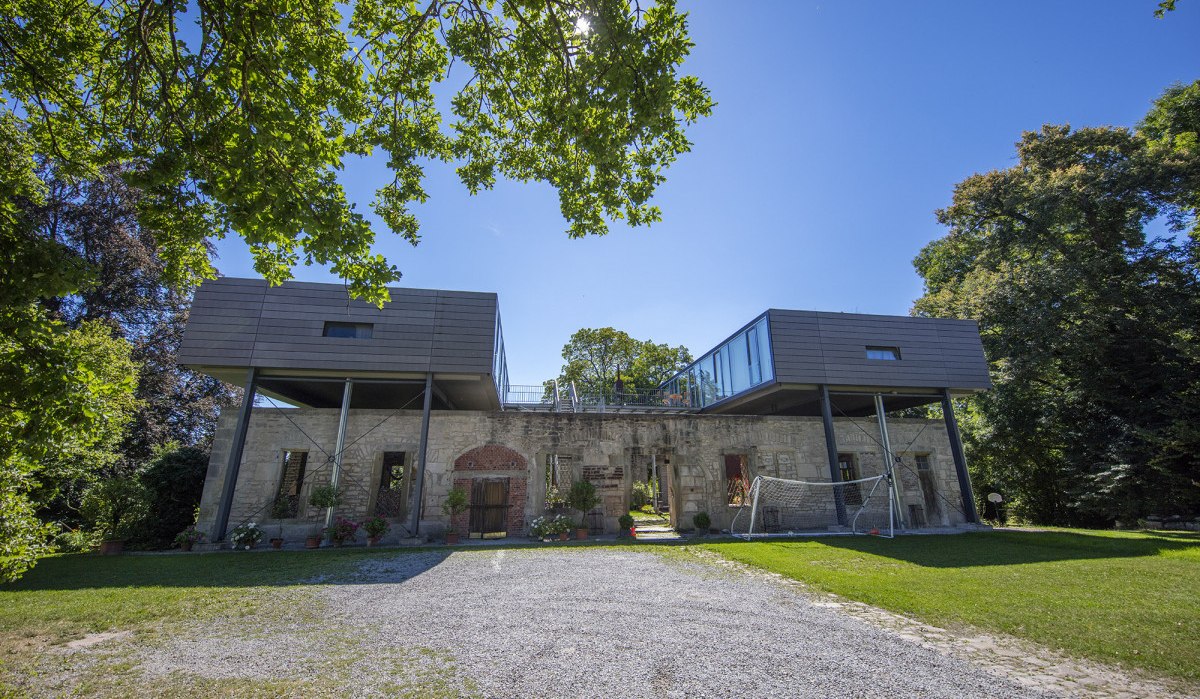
(489,508)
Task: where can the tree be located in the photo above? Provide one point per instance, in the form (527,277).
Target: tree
(595,357)
(173,483)
(95,221)
(1089,323)
(66,393)
(239,120)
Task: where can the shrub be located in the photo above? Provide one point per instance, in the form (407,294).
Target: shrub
(375,526)
(455,502)
(75,540)
(324,497)
(626,521)
(643,494)
(550,526)
(341,530)
(582,497)
(191,535)
(245,536)
(173,483)
(114,507)
(701,522)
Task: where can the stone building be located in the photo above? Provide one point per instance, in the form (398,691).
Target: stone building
(397,406)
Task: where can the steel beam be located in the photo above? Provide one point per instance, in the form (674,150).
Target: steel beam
(234,464)
(960,460)
(343,416)
(889,459)
(418,491)
(835,472)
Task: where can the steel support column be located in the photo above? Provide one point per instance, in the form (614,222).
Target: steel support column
(960,460)
(233,465)
(336,478)
(418,491)
(835,472)
(889,459)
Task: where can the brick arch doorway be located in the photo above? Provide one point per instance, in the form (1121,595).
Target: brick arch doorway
(496,480)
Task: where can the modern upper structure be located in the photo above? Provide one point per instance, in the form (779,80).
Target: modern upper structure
(398,405)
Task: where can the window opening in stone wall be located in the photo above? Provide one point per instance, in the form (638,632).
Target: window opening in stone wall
(356,331)
(391,498)
(928,485)
(291,481)
(737,479)
(558,480)
(848,467)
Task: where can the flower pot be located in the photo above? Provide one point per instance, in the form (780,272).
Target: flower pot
(373,540)
(563,536)
(312,542)
(111,547)
(581,533)
(633,532)
(451,538)
(185,546)
(277,543)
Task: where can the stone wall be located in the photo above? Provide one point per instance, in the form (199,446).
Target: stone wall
(689,450)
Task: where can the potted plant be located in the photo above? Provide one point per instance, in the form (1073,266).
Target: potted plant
(113,507)
(562,526)
(582,497)
(375,527)
(454,504)
(188,538)
(341,531)
(701,521)
(281,509)
(322,497)
(626,523)
(246,536)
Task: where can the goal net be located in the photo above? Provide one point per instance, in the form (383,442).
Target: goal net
(779,507)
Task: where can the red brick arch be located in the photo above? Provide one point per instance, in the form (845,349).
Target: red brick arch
(490,457)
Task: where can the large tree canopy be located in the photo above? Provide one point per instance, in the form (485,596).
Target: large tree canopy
(597,356)
(1090,319)
(236,117)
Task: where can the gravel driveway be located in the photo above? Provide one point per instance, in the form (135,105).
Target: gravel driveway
(596,622)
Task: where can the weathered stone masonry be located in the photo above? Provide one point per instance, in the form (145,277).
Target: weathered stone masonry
(464,445)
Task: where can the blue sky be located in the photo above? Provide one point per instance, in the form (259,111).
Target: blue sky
(840,128)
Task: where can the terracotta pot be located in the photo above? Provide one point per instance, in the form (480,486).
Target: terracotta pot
(276,543)
(185,546)
(373,540)
(111,547)
(563,536)
(451,538)
(312,542)
(581,533)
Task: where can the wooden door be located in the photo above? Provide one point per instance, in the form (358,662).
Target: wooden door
(489,508)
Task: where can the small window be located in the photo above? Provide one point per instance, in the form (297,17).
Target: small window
(357,331)
(890,354)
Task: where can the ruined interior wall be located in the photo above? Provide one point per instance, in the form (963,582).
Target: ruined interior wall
(696,445)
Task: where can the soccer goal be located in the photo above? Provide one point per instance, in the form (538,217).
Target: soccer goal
(779,507)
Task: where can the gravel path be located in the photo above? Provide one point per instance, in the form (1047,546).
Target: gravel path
(603,623)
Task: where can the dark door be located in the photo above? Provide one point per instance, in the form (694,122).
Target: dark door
(489,508)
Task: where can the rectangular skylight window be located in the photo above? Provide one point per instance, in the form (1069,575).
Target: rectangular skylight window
(890,354)
(357,331)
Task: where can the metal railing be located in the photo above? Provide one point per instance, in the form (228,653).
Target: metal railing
(552,396)
(530,396)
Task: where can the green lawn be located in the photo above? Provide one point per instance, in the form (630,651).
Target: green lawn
(1129,597)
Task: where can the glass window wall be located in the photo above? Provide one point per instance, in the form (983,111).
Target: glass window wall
(739,364)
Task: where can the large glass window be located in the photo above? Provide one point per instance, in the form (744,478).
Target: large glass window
(735,367)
